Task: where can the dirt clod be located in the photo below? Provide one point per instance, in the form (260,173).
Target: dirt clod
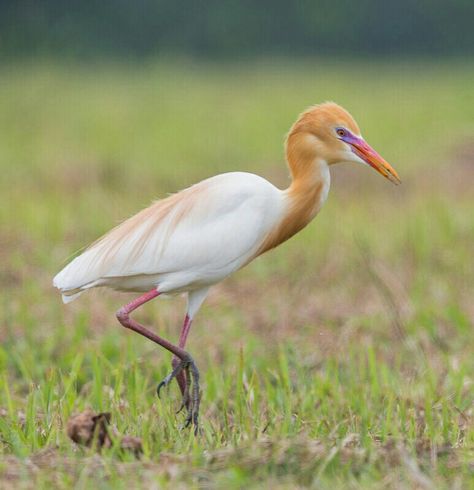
(87,427)
(93,430)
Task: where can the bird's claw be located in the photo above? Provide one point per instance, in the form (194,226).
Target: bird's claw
(188,401)
(192,419)
(165,382)
(184,402)
(183,364)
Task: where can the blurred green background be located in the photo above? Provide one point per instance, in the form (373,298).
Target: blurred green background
(342,359)
(236,28)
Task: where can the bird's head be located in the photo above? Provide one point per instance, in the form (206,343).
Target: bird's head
(329,132)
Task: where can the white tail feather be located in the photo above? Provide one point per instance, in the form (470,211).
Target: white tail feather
(68,298)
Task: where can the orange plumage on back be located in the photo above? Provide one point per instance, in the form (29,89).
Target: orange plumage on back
(164,215)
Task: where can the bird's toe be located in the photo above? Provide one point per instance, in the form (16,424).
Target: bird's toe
(191,393)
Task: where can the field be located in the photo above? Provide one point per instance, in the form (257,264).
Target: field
(343,359)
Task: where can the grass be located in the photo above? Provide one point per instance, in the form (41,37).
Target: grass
(341,360)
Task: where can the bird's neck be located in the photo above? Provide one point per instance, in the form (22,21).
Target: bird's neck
(305,195)
(310,182)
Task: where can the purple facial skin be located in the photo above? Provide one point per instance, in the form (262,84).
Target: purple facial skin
(368,154)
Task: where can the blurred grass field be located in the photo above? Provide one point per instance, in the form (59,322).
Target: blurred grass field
(343,359)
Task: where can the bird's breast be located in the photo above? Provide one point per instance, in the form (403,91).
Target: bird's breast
(302,201)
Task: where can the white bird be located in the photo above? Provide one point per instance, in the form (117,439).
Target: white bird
(193,239)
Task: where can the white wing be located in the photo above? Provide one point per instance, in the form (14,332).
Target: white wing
(190,239)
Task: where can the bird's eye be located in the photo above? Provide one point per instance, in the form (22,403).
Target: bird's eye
(341,132)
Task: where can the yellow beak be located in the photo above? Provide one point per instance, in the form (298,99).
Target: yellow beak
(370,156)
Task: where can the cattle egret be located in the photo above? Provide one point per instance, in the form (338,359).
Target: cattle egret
(195,238)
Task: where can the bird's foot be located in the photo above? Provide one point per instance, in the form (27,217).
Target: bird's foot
(194,399)
(185,401)
(191,395)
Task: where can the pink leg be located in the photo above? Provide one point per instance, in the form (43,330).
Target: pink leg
(123,316)
(181,377)
(183,359)
(185,331)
